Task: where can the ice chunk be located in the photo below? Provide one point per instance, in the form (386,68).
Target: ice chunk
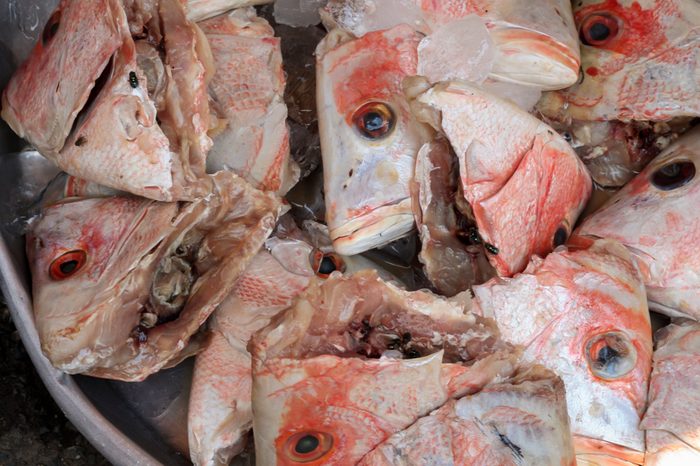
(524,97)
(363,16)
(298,13)
(461,50)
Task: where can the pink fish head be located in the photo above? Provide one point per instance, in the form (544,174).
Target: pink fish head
(583,314)
(120,284)
(654,216)
(357,359)
(524,184)
(640,61)
(369,137)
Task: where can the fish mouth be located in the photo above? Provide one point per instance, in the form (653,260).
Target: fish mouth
(373,229)
(594,451)
(531,58)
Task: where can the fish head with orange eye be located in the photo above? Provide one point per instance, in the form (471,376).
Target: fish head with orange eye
(369,137)
(639,61)
(655,217)
(78,255)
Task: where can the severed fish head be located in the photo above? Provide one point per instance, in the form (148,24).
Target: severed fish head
(369,137)
(535,41)
(109,110)
(220,412)
(640,60)
(583,314)
(357,359)
(504,154)
(670,423)
(519,421)
(653,215)
(121,284)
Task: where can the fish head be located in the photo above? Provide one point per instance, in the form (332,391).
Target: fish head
(583,314)
(640,61)
(349,371)
(504,153)
(80,253)
(369,137)
(653,215)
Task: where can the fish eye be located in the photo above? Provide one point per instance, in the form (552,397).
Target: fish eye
(610,355)
(673,175)
(374,120)
(304,447)
(67,264)
(51,27)
(599,29)
(324,264)
(560,236)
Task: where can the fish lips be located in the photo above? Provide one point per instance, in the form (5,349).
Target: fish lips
(531,58)
(376,228)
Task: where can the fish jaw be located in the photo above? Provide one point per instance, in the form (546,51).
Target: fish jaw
(656,225)
(557,309)
(503,154)
(622,79)
(366,182)
(522,51)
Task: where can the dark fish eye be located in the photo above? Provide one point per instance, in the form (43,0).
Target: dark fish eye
(324,264)
(610,355)
(305,447)
(599,29)
(374,120)
(560,236)
(51,27)
(673,175)
(67,264)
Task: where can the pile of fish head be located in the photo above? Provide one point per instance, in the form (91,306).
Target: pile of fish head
(640,60)
(246,93)
(674,405)
(369,136)
(108,107)
(121,284)
(583,314)
(654,216)
(519,421)
(357,359)
(536,42)
(523,182)
(282,269)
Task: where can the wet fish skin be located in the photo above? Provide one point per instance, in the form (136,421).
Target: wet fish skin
(504,154)
(246,93)
(220,413)
(94,262)
(671,417)
(366,178)
(522,420)
(569,310)
(200,10)
(647,68)
(308,380)
(657,223)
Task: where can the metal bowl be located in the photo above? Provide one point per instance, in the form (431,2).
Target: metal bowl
(129,423)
